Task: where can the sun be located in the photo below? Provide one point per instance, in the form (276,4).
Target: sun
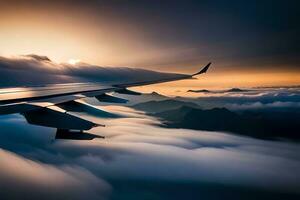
(73,61)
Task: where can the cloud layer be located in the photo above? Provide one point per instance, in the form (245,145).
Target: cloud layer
(264,98)
(137,152)
(30,70)
(30,179)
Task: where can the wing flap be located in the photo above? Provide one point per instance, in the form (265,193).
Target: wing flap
(110,99)
(17,108)
(75,135)
(128,92)
(80,106)
(55,118)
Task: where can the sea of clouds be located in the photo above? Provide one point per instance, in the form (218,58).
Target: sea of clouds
(262,98)
(138,159)
(136,151)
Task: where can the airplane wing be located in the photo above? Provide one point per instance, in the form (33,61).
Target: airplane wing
(50,105)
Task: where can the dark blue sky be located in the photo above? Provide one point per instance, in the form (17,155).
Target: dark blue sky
(248,32)
(213,20)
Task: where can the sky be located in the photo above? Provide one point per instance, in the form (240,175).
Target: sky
(251,43)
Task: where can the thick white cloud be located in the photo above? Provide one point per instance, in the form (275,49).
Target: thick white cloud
(135,149)
(21,178)
(259,105)
(253,98)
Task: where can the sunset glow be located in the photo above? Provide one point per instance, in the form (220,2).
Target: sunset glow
(149,99)
(73,61)
(111,38)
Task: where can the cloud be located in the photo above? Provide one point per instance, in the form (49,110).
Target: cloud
(34,165)
(38,57)
(34,69)
(259,105)
(251,98)
(136,149)
(21,177)
(30,70)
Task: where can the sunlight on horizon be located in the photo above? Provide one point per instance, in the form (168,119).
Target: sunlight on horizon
(74,61)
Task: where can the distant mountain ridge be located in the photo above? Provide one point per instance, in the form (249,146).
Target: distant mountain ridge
(219,91)
(200,91)
(237,90)
(145,97)
(163,105)
(260,124)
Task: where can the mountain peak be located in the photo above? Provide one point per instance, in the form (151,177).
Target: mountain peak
(236,90)
(199,91)
(155,94)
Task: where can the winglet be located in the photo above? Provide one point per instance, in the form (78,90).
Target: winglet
(203,70)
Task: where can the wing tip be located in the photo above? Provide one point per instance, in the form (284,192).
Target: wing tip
(203,70)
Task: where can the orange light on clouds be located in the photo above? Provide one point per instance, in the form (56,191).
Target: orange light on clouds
(62,34)
(219,81)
